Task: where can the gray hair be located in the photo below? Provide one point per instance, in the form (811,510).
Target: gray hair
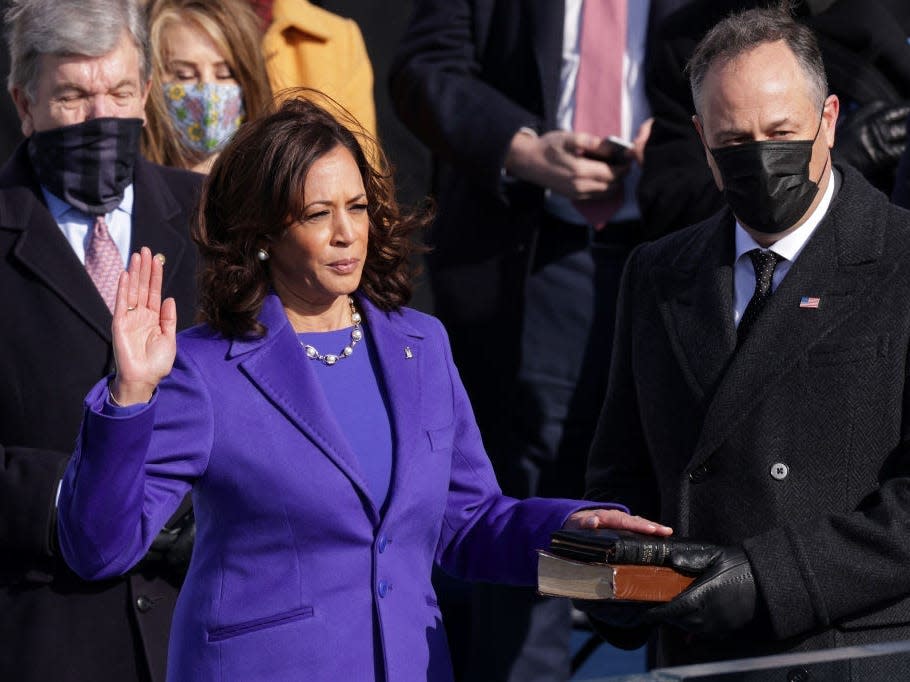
(89,28)
(744,31)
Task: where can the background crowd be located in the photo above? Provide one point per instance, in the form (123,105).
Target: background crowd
(498,112)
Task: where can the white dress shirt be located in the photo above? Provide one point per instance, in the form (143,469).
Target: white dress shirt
(77,226)
(634,103)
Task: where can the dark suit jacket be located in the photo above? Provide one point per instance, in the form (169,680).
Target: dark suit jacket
(691,428)
(56,344)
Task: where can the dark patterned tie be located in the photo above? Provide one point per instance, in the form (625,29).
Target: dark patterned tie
(764,263)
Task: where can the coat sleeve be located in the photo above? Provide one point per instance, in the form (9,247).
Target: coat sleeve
(28,487)
(129,473)
(439,92)
(486,535)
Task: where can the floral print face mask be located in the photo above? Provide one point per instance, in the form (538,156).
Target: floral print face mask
(205,114)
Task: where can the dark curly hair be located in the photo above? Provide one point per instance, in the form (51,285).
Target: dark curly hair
(255,190)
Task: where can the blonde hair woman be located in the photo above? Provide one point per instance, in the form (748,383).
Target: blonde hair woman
(208,76)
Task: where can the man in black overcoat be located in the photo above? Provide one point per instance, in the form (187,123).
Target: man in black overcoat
(79,80)
(758,394)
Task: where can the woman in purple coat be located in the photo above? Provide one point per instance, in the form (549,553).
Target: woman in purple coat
(322,427)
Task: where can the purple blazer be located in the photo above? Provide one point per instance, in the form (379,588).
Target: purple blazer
(292,559)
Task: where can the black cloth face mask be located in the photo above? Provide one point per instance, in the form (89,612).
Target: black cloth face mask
(767,183)
(89,164)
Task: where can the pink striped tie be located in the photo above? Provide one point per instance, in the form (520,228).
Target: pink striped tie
(103,262)
(599,86)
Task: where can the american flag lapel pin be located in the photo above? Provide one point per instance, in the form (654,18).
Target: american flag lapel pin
(407,352)
(809,301)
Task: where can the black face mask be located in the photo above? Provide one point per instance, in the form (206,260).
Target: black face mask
(767,183)
(89,164)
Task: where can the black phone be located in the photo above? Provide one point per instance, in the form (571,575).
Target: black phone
(612,150)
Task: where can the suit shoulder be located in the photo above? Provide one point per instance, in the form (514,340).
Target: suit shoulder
(669,248)
(420,325)
(421,322)
(201,339)
(180,181)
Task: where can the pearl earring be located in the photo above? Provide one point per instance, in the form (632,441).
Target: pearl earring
(262,255)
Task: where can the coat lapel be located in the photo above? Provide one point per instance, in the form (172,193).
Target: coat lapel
(400,353)
(695,298)
(157,221)
(835,266)
(43,250)
(277,366)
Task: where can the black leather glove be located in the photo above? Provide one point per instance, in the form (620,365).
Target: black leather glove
(720,601)
(180,552)
(617,614)
(623,624)
(872,138)
(173,546)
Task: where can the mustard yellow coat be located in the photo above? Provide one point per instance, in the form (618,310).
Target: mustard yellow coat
(306,45)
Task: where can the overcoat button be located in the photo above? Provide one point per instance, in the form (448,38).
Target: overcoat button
(382,588)
(143,603)
(779,471)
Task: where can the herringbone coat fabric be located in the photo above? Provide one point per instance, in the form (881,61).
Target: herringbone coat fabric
(694,432)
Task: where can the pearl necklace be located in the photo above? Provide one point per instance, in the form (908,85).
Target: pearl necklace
(329,358)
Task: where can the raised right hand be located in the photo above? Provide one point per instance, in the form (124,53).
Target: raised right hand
(144,330)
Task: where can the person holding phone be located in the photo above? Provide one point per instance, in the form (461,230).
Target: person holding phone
(535,211)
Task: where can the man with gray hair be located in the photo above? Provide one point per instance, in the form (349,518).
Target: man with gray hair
(758,396)
(75,200)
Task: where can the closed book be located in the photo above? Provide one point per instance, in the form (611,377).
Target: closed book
(561,577)
(620,547)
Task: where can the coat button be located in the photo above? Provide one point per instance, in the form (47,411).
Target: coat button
(143,603)
(382,543)
(779,471)
(382,588)
(699,473)
(798,675)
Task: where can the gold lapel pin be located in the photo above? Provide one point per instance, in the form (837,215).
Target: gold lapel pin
(407,352)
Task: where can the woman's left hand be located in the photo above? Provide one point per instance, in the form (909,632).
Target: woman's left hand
(615,519)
